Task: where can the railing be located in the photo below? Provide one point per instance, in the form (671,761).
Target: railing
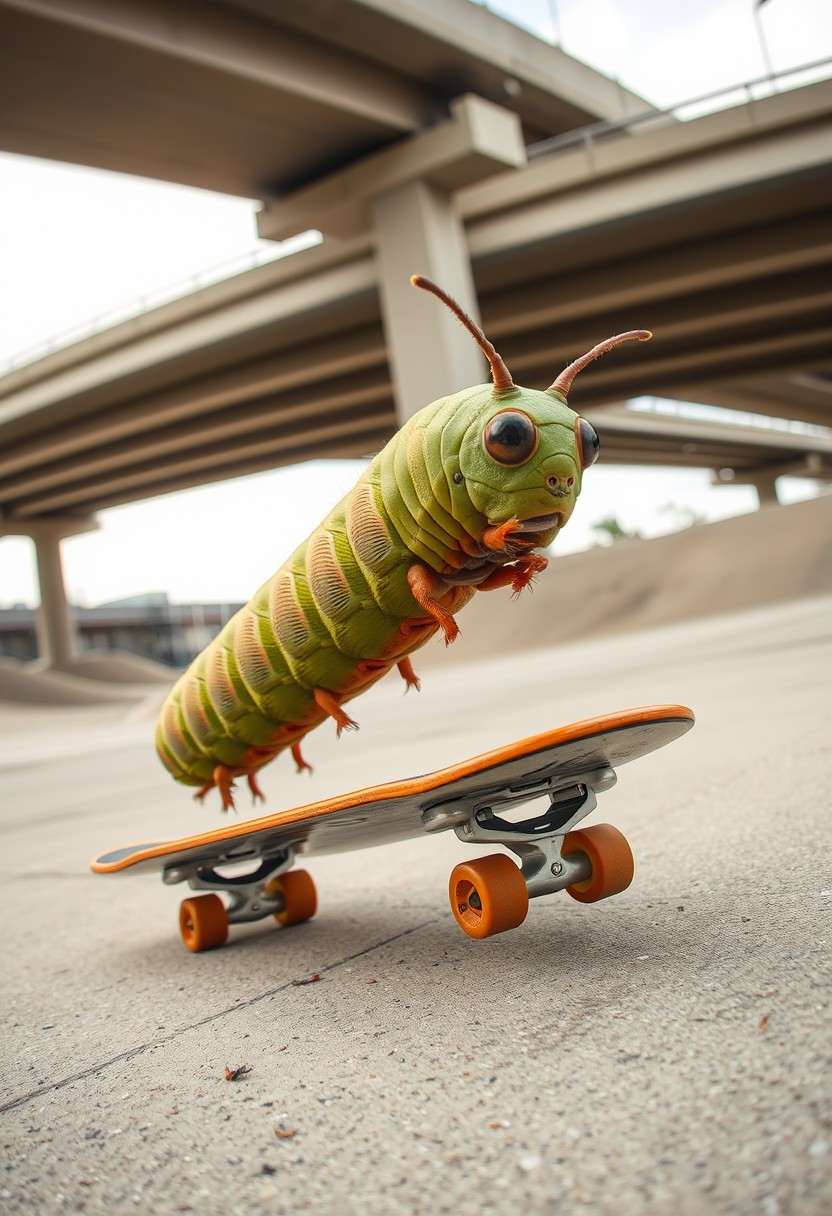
(708,103)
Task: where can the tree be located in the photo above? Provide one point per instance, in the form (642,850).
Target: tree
(609,531)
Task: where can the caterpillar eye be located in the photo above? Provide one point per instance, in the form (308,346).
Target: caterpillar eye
(511,437)
(589,445)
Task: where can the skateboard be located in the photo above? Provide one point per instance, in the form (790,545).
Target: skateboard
(250,863)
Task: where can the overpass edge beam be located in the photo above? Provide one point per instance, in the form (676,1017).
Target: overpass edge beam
(477,141)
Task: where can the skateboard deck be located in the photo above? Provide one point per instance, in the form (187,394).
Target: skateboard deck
(566,766)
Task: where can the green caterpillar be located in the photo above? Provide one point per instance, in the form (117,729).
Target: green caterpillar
(456,502)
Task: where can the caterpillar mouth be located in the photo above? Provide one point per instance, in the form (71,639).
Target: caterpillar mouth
(539,523)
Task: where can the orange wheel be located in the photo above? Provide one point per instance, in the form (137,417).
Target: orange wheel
(488,895)
(610,857)
(203,922)
(299,894)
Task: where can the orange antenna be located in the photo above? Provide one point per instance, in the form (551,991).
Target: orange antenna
(499,372)
(564,381)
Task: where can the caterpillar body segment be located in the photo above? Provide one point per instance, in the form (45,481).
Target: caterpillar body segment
(458,500)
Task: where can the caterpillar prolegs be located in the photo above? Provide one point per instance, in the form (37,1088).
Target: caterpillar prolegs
(457,501)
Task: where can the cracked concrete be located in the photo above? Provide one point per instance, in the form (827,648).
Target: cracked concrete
(666,1050)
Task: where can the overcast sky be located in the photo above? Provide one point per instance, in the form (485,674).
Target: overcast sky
(76,242)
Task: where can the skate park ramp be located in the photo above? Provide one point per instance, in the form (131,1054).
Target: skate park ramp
(770,556)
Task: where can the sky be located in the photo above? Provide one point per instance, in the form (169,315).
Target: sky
(77,243)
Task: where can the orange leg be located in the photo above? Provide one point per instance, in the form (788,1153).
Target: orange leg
(425,587)
(199,796)
(496,538)
(224,781)
(299,760)
(519,575)
(257,794)
(408,674)
(330,706)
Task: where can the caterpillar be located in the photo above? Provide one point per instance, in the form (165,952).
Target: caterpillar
(456,502)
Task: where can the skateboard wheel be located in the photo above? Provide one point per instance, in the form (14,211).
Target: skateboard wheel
(610,857)
(299,895)
(203,922)
(488,895)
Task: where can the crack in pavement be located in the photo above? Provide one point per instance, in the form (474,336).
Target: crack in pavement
(132,1052)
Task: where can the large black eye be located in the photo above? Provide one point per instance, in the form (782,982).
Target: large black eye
(511,437)
(589,445)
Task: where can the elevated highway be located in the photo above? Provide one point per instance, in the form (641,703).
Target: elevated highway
(261,97)
(714,232)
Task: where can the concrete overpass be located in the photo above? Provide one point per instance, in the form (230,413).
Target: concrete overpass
(714,233)
(261,97)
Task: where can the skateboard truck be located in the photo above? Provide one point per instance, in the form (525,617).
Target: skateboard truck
(272,889)
(251,896)
(537,841)
(553,856)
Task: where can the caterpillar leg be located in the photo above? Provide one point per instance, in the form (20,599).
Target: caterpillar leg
(518,576)
(425,587)
(297,756)
(502,538)
(224,782)
(496,538)
(257,794)
(408,674)
(330,706)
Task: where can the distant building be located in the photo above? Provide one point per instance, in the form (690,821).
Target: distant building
(147,625)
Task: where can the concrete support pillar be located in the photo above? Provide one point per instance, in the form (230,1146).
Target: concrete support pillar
(764,480)
(57,636)
(431,355)
(766,486)
(404,196)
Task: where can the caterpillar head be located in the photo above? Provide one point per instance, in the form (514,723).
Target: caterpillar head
(523,452)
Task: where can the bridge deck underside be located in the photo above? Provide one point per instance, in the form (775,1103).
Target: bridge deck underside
(289,361)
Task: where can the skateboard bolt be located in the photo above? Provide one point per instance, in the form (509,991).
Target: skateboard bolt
(557,868)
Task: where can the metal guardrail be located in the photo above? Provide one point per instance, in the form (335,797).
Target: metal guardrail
(582,137)
(684,111)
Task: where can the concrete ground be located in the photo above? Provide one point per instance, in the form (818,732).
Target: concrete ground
(664,1051)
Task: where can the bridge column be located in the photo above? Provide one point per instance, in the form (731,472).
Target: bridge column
(57,636)
(764,479)
(431,354)
(404,197)
(765,484)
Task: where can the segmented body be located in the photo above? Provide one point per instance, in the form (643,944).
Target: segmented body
(457,501)
(340,612)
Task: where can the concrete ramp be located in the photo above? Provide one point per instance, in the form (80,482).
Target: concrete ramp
(24,683)
(771,556)
(117,667)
